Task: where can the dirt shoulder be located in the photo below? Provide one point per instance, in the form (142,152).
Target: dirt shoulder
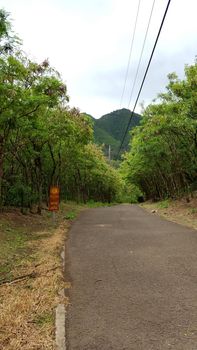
(31,277)
(180,211)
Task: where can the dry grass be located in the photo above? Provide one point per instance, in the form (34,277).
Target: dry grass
(180,211)
(27,307)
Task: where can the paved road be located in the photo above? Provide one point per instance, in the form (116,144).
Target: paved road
(133,282)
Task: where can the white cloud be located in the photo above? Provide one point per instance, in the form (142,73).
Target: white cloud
(88,42)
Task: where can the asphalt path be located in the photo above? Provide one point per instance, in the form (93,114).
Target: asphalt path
(134,282)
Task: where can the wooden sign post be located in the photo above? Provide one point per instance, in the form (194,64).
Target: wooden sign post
(54,199)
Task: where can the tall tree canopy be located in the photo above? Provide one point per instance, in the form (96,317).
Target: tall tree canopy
(42,140)
(163,156)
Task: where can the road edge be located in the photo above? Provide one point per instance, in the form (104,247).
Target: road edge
(60,318)
(60,327)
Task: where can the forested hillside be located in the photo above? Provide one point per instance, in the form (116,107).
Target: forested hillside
(42,140)
(162,161)
(110,128)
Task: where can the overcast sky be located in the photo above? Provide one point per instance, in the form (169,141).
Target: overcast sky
(88,42)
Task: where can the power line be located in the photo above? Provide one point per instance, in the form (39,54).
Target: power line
(130,52)
(155,44)
(140,59)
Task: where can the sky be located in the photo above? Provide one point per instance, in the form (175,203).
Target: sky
(88,42)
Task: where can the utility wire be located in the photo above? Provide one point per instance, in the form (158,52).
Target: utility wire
(155,44)
(130,53)
(142,50)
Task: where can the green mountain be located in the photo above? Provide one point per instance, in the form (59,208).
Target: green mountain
(110,129)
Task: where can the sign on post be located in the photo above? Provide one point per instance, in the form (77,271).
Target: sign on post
(54,198)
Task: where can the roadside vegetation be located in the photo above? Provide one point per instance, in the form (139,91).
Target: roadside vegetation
(43,141)
(162,160)
(30,279)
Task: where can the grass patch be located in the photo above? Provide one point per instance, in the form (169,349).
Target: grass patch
(163,204)
(71,215)
(192,210)
(92,204)
(45,319)
(12,248)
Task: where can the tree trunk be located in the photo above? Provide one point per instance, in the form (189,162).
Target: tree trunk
(1,171)
(39,208)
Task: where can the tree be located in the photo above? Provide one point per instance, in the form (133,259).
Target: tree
(163,156)
(42,140)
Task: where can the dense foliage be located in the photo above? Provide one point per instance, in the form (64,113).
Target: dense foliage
(42,140)
(162,161)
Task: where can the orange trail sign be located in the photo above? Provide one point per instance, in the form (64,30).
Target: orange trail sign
(54,198)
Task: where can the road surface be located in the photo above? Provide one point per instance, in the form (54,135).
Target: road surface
(133,279)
